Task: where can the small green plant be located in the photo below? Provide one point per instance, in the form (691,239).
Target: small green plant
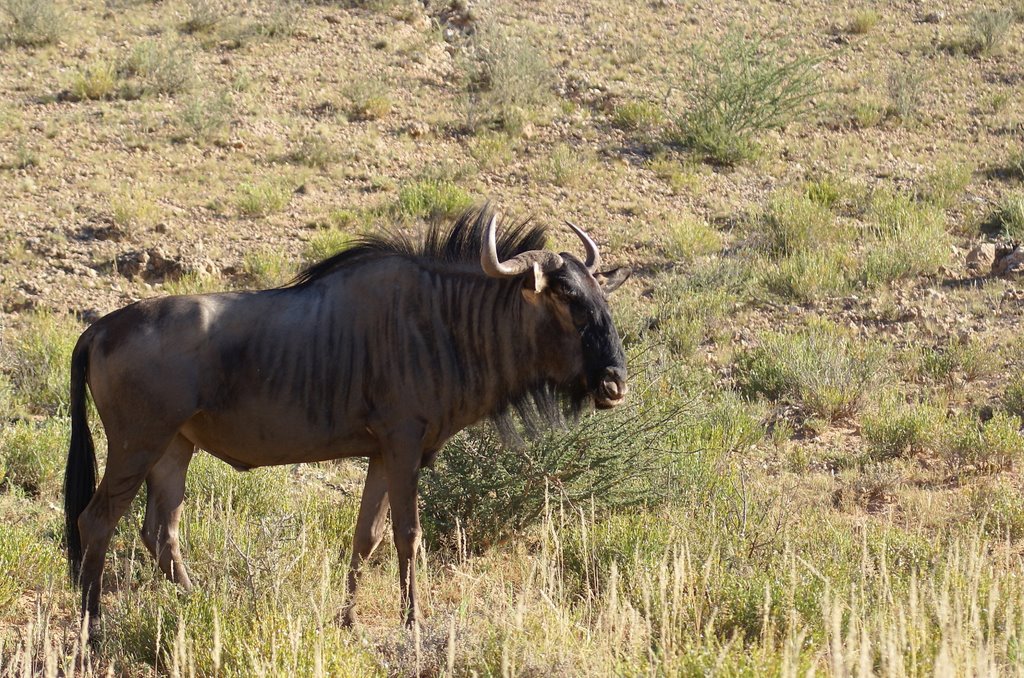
(566,165)
(31,23)
(637,115)
(431,199)
(39,355)
(1013,396)
(313,150)
(690,237)
(944,185)
(741,88)
(23,158)
(1008,218)
(679,176)
(967,360)
(132,212)
(821,368)
(155,67)
(862,21)
(906,92)
(492,150)
(97,81)
(825,191)
(998,505)
(811,274)
(989,29)
(506,79)
(475,498)
(203,16)
(897,429)
(206,119)
(324,243)
(869,113)
(34,454)
(905,238)
(261,199)
(368,99)
(267,268)
(995,445)
(795,223)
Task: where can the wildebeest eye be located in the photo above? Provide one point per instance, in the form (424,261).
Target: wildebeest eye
(579,312)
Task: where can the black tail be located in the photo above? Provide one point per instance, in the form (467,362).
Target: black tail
(80,476)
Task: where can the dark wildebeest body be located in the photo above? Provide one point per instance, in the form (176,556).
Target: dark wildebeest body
(382,351)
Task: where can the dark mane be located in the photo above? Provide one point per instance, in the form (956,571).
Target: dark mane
(459,243)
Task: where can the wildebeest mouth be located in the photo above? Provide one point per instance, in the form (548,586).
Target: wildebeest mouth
(612,389)
(604,403)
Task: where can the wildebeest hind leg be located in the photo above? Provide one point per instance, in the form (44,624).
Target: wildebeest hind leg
(165,490)
(128,463)
(373,512)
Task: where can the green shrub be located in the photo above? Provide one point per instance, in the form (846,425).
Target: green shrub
(906,92)
(566,165)
(794,223)
(368,99)
(740,88)
(826,192)
(906,238)
(324,243)
(690,236)
(820,368)
(313,150)
(944,185)
(97,81)
(989,29)
(34,454)
(607,461)
(155,67)
(430,198)
(999,507)
(506,79)
(637,115)
(267,268)
(40,357)
(204,15)
(897,429)
(1013,396)
(967,359)
(862,21)
(206,119)
(811,274)
(1008,218)
(995,445)
(28,562)
(32,23)
(262,199)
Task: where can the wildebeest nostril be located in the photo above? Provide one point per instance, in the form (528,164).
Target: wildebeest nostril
(610,388)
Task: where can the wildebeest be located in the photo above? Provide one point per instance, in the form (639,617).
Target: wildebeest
(384,350)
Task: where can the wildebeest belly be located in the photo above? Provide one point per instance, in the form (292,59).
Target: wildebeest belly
(246,441)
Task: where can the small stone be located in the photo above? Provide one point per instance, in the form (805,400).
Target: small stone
(1009,262)
(981,258)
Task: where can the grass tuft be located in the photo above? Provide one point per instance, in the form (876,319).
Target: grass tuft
(32,23)
(262,199)
(821,368)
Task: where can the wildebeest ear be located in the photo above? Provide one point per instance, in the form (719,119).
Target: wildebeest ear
(535,280)
(610,280)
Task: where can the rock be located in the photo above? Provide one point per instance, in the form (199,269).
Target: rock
(981,258)
(151,265)
(1009,261)
(417,129)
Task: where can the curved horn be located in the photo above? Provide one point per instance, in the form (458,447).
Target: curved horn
(593,256)
(518,264)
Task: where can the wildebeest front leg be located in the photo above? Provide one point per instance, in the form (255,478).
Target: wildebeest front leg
(373,511)
(403,462)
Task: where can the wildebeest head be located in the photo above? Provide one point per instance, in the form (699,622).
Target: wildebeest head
(581,340)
